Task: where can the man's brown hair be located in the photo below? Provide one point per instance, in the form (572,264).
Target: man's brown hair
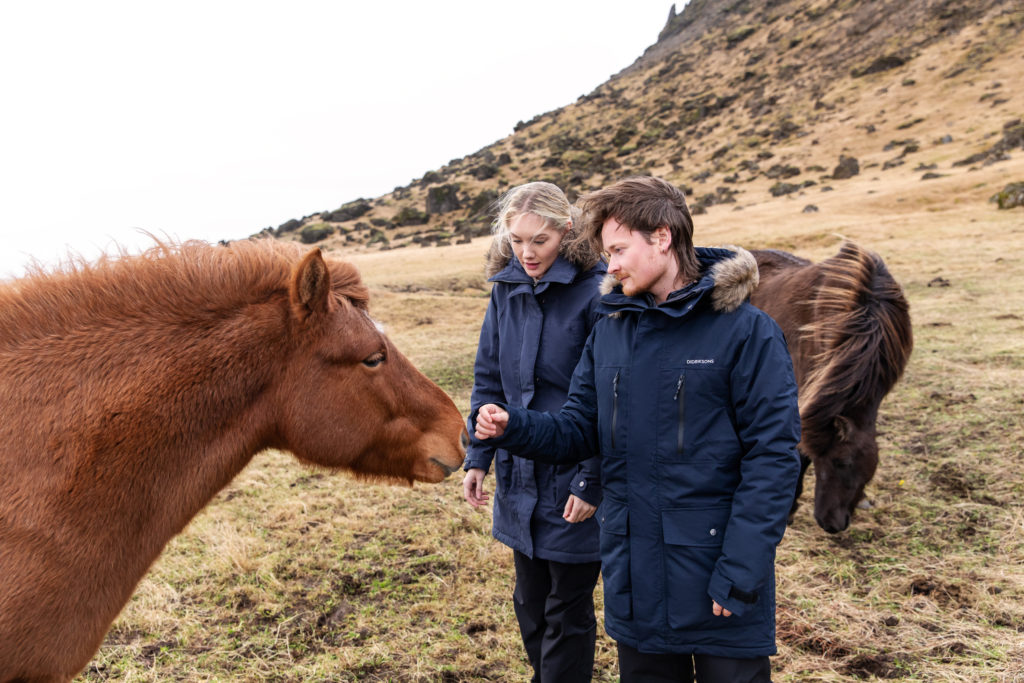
(643,204)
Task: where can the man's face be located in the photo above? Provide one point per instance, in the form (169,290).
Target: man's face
(640,266)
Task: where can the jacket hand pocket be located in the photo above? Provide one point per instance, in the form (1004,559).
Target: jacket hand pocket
(693,543)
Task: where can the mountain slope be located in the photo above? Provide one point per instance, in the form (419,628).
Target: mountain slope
(743,101)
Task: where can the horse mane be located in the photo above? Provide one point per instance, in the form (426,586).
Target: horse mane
(862,336)
(166,283)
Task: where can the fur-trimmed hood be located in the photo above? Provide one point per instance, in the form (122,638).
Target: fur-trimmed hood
(574,248)
(730,273)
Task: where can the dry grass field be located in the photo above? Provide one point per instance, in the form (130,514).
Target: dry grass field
(300,575)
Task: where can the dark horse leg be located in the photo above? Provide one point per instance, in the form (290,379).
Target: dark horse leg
(804,463)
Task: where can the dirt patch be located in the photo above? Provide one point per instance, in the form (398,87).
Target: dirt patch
(883,666)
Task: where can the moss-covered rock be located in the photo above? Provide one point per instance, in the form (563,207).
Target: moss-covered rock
(315,232)
(289,226)
(1011,196)
(410,215)
(442,198)
(349,211)
(738,35)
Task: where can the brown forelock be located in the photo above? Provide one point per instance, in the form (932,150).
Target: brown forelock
(862,334)
(164,283)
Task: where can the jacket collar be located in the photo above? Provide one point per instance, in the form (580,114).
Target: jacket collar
(728,276)
(561,271)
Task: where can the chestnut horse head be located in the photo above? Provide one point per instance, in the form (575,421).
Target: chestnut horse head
(848,328)
(133,389)
(347,397)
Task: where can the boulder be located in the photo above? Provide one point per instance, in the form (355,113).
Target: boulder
(349,211)
(847,168)
(442,198)
(1011,196)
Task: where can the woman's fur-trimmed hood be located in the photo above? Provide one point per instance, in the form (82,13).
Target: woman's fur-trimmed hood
(732,273)
(574,248)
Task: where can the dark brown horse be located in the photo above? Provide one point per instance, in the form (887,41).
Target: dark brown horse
(847,324)
(134,389)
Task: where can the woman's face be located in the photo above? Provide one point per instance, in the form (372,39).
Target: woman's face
(535,243)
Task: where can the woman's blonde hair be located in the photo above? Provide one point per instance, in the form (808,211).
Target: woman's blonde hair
(539,198)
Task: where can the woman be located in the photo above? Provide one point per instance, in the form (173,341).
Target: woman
(542,308)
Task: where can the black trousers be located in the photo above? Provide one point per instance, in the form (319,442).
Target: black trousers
(554,604)
(641,667)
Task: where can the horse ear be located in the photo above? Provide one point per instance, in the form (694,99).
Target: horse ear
(311,285)
(843,427)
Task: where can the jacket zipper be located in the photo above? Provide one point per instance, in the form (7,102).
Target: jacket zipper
(680,399)
(615,405)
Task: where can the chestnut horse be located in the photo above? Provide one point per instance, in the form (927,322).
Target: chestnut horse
(134,389)
(847,325)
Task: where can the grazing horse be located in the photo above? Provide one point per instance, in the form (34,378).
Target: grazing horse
(132,390)
(847,325)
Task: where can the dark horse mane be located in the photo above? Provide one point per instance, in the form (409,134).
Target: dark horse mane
(166,283)
(860,313)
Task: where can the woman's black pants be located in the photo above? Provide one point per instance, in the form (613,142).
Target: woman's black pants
(554,604)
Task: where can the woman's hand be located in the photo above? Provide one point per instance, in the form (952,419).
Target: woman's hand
(473,487)
(577,510)
(490,421)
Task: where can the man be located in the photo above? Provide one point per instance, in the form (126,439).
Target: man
(687,392)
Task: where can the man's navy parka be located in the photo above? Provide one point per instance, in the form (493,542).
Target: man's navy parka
(693,406)
(530,342)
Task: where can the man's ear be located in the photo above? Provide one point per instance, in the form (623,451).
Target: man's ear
(664,237)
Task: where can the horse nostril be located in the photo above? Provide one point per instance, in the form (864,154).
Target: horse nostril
(464,438)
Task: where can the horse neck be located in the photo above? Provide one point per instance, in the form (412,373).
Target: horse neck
(154,420)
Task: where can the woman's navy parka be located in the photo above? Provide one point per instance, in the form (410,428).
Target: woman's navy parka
(693,405)
(530,342)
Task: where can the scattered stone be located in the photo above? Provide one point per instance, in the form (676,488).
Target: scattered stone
(782,171)
(938,281)
(409,215)
(810,208)
(779,189)
(1013,137)
(944,140)
(315,232)
(349,211)
(442,199)
(1010,197)
(879,65)
(847,168)
(289,226)
(908,124)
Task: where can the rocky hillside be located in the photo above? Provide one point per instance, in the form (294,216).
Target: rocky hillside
(741,102)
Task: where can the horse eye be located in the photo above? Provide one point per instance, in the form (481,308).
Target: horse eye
(374,360)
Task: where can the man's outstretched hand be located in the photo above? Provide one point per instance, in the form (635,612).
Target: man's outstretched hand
(490,421)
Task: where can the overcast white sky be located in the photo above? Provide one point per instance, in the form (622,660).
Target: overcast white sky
(211,120)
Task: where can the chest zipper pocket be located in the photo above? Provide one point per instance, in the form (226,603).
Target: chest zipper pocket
(680,399)
(615,405)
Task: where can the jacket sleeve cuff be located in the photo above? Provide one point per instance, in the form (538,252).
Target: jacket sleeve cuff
(480,461)
(586,488)
(730,596)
